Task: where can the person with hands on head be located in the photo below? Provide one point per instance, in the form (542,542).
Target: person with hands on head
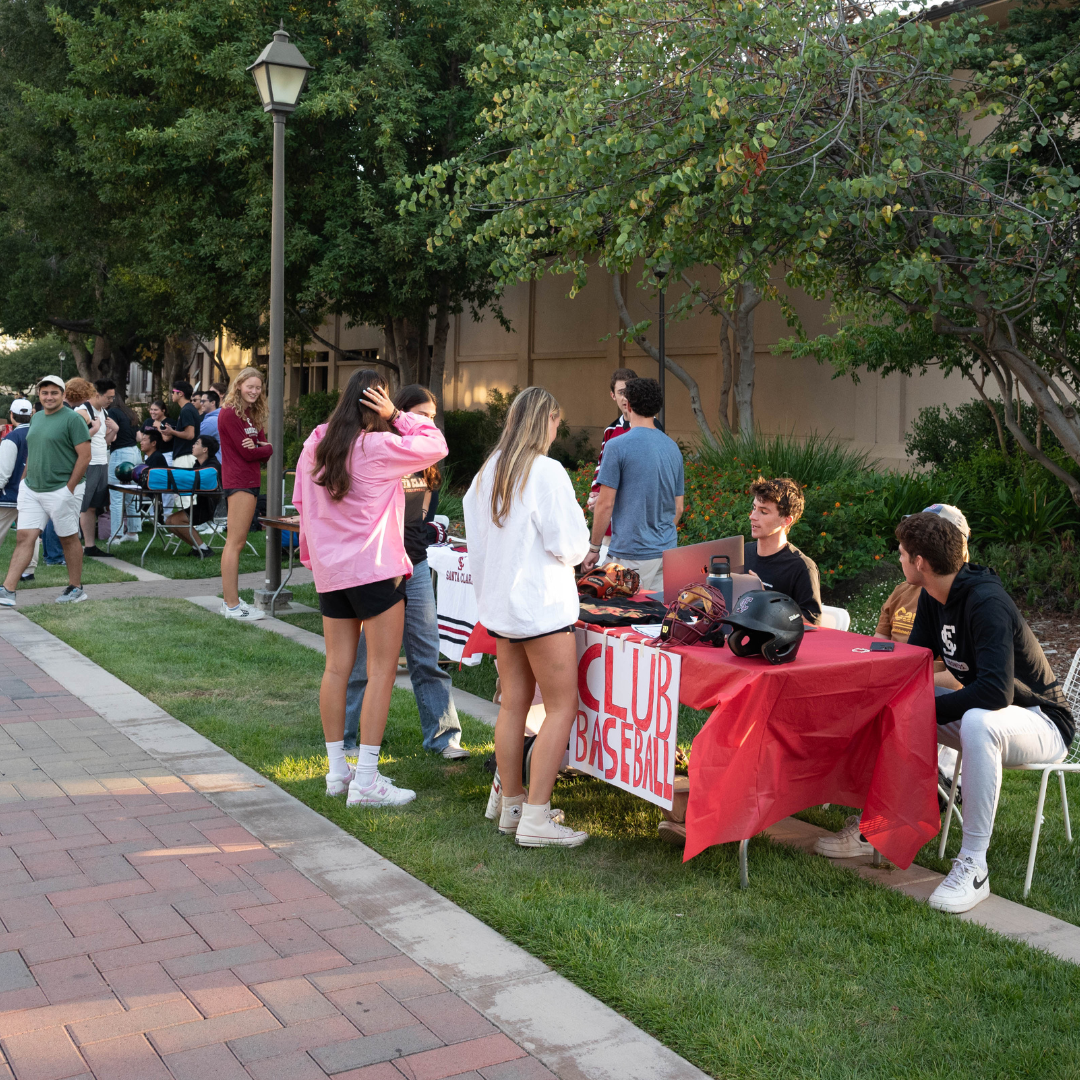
(526,534)
(242,435)
(641,491)
(351,503)
(57,454)
(431,684)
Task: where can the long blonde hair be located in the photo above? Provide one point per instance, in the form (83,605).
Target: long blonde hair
(259,413)
(524,438)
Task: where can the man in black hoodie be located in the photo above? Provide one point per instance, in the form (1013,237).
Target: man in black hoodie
(1010,710)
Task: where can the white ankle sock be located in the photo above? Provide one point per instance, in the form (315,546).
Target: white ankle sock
(335,751)
(367,764)
(977,857)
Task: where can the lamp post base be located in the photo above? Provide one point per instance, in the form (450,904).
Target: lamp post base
(264,597)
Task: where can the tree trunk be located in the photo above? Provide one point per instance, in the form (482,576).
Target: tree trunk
(438,351)
(749,298)
(676,369)
(177,355)
(725,373)
(101,361)
(82,355)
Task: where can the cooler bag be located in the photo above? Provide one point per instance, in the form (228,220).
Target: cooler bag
(184,480)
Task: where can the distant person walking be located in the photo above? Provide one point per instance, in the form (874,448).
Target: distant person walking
(241,430)
(352,506)
(57,454)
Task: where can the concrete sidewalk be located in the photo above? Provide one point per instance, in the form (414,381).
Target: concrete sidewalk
(169,913)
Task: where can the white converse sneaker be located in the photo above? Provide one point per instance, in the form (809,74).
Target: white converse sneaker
(381,793)
(494,803)
(241,612)
(846,844)
(338,785)
(962,888)
(537,829)
(510,814)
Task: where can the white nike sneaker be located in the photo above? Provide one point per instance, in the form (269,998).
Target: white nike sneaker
(381,793)
(846,844)
(338,785)
(241,612)
(962,888)
(538,829)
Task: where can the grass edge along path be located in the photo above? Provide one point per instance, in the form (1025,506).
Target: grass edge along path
(811,973)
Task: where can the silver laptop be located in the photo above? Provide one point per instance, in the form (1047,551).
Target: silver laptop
(690,565)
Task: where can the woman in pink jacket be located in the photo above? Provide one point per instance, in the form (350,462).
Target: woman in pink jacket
(352,506)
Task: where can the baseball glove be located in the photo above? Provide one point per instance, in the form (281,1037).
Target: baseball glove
(607,581)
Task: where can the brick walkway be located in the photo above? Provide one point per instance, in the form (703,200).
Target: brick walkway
(147,935)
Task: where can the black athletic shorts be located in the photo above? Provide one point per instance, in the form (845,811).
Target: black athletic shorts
(362,601)
(535,637)
(251,491)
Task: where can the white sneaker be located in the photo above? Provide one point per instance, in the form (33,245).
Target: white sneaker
(73,594)
(494,803)
(510,815)
(846,844)
(381,793)
(130,538)
(338,785)
(242,612)
(962,889)
(7,598)
(538,829)
(455,753)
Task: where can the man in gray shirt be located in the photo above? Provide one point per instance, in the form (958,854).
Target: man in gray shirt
(641,491)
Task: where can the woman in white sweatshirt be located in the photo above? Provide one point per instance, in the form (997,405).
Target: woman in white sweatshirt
(526,534)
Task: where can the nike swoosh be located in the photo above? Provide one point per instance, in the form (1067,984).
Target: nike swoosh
(979,884)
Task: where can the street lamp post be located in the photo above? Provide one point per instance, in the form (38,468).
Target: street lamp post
(662,344)
(280,75)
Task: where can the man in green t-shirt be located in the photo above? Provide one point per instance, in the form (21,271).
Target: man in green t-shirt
(57,453)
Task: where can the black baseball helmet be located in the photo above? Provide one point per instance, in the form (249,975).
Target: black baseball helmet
(765,623)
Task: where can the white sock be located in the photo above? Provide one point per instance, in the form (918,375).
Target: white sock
(335,751)
(977,857)
(367,764)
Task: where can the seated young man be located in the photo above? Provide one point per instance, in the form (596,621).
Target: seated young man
(1010,710)
(780,565)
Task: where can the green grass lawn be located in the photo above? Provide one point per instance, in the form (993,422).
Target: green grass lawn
(182,565)
(811,973)
(94,572)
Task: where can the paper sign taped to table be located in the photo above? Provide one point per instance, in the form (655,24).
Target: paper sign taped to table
(628,712)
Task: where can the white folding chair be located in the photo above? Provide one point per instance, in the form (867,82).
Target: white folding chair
(1071,763)
(835,618)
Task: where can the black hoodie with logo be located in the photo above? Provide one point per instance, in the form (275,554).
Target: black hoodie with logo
(990,649)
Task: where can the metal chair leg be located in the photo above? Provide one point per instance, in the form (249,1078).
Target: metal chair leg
(956,813)
(1065,807)
(744,874)
(952,805)
(1035,832)
(877,859)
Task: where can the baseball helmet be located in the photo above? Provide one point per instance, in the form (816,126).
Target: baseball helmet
(765,623)
(694,617)
(124,471)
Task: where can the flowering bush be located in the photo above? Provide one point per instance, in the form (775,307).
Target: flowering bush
(838,528)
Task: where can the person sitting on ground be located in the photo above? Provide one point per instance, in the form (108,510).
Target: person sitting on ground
(184,523)
(641,491)
(780,565)
(1011,710)
(57,453)
(12,465)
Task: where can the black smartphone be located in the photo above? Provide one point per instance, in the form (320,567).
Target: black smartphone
(882,646)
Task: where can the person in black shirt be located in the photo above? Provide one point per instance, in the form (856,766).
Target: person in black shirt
(124,521)
(781,566)
(183,522)
(434,692)
(151,442)
(186,429)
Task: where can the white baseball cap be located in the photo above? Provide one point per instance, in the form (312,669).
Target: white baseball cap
(54,380)
(21,407)
(953,515)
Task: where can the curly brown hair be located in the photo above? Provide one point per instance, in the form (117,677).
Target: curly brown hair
(938,541)
(784,492)
(78,390)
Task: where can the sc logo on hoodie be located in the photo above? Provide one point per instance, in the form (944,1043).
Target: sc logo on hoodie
(948,646)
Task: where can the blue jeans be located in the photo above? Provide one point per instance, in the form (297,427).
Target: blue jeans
(431,685)
(118,501)
(54,550)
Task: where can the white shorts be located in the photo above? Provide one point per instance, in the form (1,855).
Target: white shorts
(36,507)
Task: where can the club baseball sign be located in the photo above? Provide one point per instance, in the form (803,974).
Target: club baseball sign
(627,718)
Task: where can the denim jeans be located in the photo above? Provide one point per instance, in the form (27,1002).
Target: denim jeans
(434,699)
(118,501)
(54,550)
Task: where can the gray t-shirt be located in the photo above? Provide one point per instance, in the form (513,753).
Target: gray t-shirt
(645,468)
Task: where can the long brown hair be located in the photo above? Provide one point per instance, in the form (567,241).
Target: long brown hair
(406,399)
(352,417)
(524,438)
(259,413)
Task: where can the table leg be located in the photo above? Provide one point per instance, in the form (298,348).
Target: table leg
(876,860)
(744,874)
(273,599)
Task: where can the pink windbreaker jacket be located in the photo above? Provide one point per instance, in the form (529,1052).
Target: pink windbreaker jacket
(359,539)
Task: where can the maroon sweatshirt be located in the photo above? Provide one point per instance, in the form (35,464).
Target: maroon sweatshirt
(240,466)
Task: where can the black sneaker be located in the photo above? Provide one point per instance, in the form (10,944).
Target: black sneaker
(29,576)
(96,553)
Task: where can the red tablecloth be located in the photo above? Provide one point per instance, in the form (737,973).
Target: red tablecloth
(837,726)
(854,728)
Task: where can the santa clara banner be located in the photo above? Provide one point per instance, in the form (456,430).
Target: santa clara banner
(627,720)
